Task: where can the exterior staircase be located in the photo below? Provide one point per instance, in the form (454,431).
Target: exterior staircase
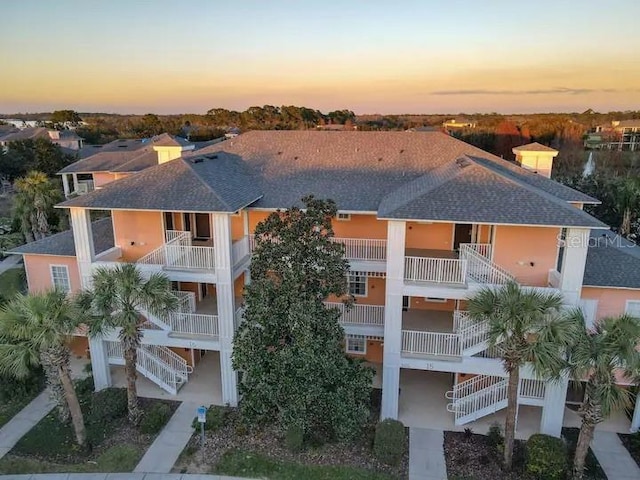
(483,395)
(159,364)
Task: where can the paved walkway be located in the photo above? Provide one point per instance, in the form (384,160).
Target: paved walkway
(426,454)
(165,450)
(614,457)
(24,421)
(12,261)
(116,476)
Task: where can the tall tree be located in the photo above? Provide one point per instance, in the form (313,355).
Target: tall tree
(526,328)
(599,357)
(39,154)
(35,198)
(290,346)
(118,299)
(627,199)
(35,329)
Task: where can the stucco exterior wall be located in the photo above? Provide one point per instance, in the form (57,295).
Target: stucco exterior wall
(143,229)
(360,226)
(517,248)
(611,301)
(102,178)
(435,236)
(39,273)
(237,227)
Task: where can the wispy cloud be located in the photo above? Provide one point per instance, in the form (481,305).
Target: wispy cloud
(542,91)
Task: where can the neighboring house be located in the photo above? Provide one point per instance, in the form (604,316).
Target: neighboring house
(458,123)
(619,135)
(66,139)
(426,220)
(21,124)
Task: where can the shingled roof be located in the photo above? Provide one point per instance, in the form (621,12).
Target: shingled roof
(534,147)
(358,170)
(212,183)
(62,244)
(612,261)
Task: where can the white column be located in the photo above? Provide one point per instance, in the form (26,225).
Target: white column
(245,222)
(99,364)
(393,319)
(573,262)
(75,181)
(65,184)
(85,255)
(553,410)
(226,309)
(635,421)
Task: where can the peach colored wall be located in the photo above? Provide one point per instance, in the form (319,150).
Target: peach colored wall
(79,347)
(237,226)
(118,176)
(190,287)
(238,286)
(256,217)
(375,293)
(102,178)
(360,226)
(515,244)
(435,236)
(139,227)
(484,233)
(39,273)
(611,301)
(184,353)
(420,303)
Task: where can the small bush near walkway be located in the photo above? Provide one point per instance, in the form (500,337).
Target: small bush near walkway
(632,444)
(390,441)
(16,394)
(546,457)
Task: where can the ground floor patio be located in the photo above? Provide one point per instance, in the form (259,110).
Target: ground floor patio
(422,403)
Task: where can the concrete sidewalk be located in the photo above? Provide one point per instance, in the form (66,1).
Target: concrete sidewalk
(24,421)
(168,445)
(426,454)
(116,476)
(614,457)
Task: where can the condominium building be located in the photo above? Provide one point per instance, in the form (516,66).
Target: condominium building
(426,220)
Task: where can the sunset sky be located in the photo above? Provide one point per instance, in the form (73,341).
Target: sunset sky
(388,56)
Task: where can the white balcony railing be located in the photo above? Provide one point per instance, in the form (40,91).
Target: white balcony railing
(481,269)
(431,343)
(363,248)
(241,249)
(193,324)
(359,314)
(436,270)
(531,388)
(178,252)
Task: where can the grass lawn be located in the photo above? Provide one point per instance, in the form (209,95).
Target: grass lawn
(112,444)
(247,464)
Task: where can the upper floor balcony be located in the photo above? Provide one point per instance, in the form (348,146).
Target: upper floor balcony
(180,252)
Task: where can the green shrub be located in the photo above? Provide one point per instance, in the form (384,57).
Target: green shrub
(155,418)
(390,441)
(495,434)
(294,439)
(546,457)
(216,417)
(108,404)
(84,388)
(12,388)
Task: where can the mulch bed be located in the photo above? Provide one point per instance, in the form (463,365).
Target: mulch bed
(474,457)
(632,443)
(268,440)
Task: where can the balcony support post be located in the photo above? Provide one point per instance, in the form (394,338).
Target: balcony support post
(396,233)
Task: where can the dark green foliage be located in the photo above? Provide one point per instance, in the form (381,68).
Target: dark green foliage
(12,388)
(84,389)
(290,346)
(155,418)
(26,155)
(108,404)
(495,434)
(390,442)
(546,457)
(294,439)
(216,417)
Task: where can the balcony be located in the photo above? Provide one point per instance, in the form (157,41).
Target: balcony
(443,267)
(370,315)
(178,252)
(446,334)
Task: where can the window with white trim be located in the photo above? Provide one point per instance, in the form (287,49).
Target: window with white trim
(343,217)
(356,344)
(633,308)
(60,278)
(358,284)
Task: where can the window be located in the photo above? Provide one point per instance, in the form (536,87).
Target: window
(60,278)
(356,344)
(435,299)
(344,217)
(633,308)
(561,245)
(358,284)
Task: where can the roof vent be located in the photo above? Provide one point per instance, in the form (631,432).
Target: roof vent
(280,152)
(122,146)
(379,159)
(197,160)
(463,162)
(212,157)
(402,150)
(295,158)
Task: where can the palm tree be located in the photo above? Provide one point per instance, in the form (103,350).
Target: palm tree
(596,356)
(119,298)
(35,329)
(525,327)
(35,197)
